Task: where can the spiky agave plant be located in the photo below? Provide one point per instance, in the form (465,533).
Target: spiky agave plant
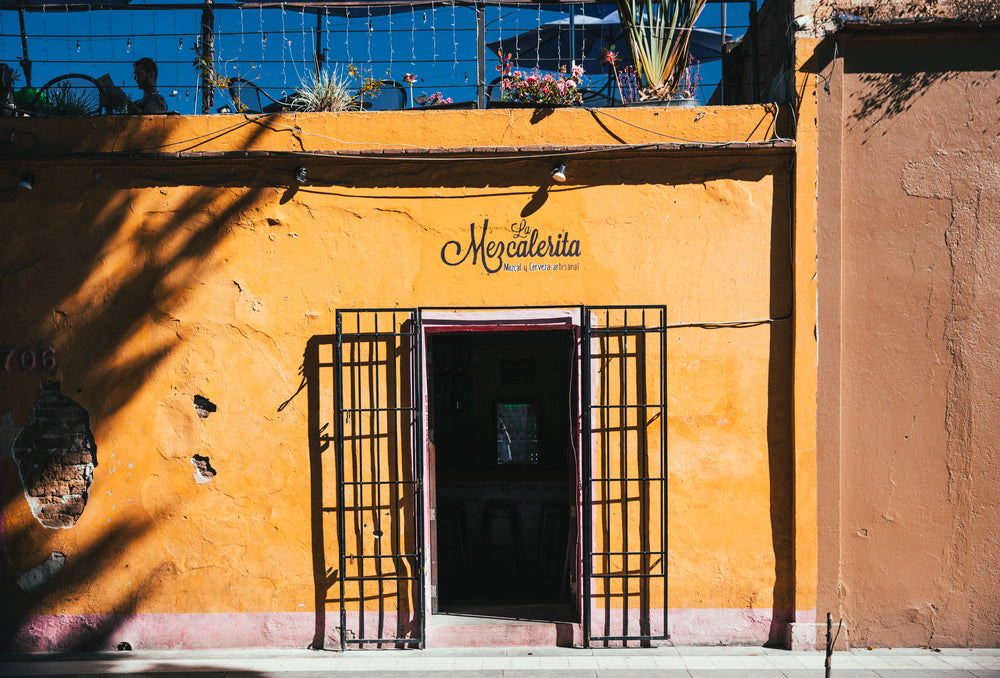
(326,91)
(659,33)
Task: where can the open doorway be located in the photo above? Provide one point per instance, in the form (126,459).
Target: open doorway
(502,413)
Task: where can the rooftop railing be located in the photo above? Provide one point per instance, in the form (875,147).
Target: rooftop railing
(232,56)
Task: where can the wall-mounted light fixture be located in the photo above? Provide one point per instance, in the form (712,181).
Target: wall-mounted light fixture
(301,175)
(27,181)
(559,172)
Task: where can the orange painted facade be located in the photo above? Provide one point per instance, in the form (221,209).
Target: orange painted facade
(159,262)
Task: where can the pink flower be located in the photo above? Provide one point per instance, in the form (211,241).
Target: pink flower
(577,71)
(571,83)
(547,78)
(561,86)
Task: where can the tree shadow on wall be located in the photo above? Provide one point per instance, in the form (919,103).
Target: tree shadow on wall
(105,555)
(97,264)
(893,76)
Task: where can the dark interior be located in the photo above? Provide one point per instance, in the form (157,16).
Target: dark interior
(502,421)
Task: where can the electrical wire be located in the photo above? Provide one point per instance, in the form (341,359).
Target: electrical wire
(600,111)
(755,322)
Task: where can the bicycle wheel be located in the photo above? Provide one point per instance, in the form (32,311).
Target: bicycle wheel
(73,95)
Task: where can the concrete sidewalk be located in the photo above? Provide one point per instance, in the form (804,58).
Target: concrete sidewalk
(664,662)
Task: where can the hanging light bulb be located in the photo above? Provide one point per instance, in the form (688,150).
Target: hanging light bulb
(180,43)
(128,46)
(77,46)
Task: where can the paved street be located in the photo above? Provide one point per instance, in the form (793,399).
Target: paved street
(665,662)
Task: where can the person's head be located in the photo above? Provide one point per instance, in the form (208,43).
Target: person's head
(145,72)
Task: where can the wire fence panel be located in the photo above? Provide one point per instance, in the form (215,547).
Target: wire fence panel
(438,50)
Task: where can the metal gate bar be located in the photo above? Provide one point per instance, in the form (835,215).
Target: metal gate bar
(373,365)
(645,402)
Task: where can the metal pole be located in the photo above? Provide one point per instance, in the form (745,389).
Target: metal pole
(572,35)
(318,61)
(207,55)
(586,510)
(722,55)
(419,408)
(25,61)
(480,55)
(341,512)
(754,53)
(664,466)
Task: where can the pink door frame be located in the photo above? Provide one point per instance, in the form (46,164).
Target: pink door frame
(499,320)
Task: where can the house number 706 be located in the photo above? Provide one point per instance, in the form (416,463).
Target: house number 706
(28,359)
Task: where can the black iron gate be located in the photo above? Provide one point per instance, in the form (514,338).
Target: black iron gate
(379,477)
(624,365)
(380,484)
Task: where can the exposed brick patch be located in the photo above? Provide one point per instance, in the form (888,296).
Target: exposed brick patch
(56,455)
(203,469)
(203,406)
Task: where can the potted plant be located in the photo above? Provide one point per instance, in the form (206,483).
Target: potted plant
(326,90)
(432,100)
(659,33)
(539,89)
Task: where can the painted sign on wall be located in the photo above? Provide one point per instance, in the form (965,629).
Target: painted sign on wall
(525,242)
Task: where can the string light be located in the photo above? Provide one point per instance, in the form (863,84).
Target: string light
(391,50)
(434,42)
(326,32)
(539,23)
(413,37)
(263,33)
(454,37)
(302,23)
(239,54)
(284,72)
(347,30)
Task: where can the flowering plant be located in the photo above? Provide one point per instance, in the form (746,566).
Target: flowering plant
(536,88)
(435,99)
(409,79)
(690,81)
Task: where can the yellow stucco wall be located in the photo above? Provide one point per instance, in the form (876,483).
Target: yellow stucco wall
(156,280)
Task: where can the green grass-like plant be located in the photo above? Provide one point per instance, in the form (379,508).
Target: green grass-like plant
(72,101)
(327,90)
